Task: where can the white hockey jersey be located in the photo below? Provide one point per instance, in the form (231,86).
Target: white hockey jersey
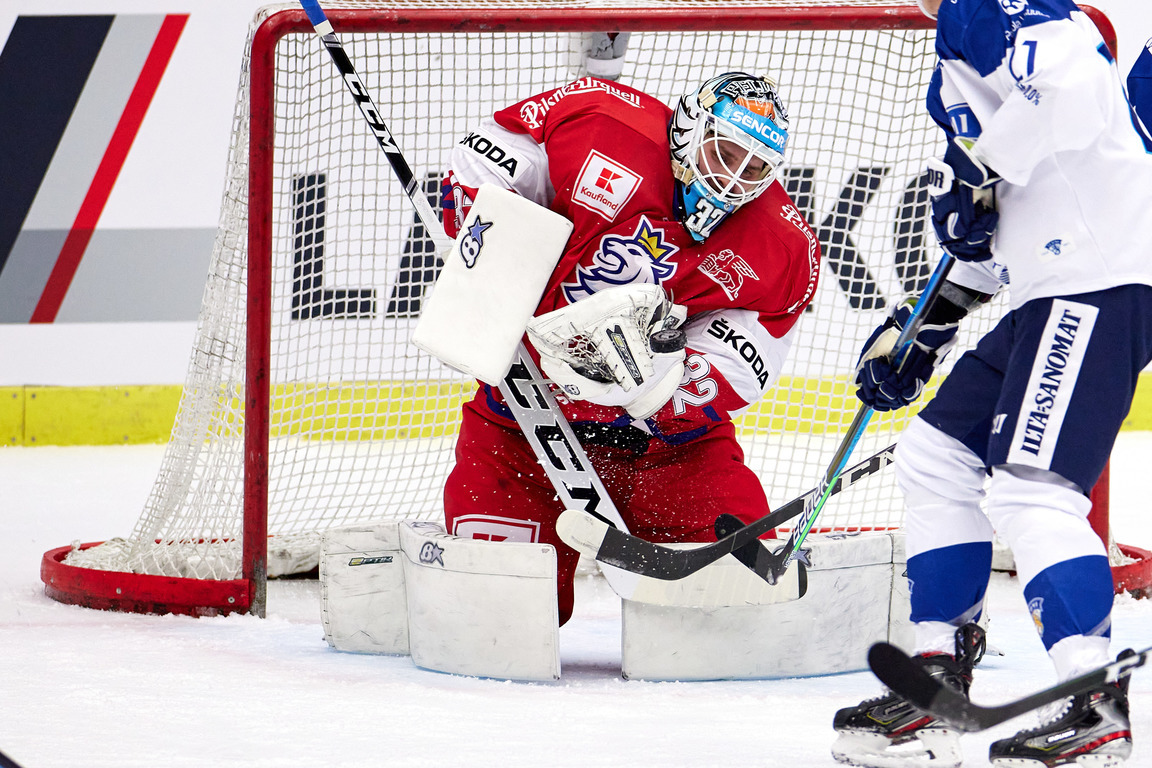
(1033,81)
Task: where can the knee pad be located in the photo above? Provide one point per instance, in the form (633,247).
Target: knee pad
(943,486)
(1044,521)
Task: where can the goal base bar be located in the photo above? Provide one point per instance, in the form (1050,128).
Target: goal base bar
(1135,578)
(136,592)
(141,593)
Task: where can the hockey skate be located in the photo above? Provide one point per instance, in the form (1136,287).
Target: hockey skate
(1091,730)
(888,732)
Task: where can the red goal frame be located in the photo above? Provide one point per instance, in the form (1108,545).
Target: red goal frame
(116,590)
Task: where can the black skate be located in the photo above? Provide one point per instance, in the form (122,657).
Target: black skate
(1092,730)
(888,732)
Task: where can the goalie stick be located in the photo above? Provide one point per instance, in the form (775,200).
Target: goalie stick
(904,677)
(523,388)
(525,391)
(631,553)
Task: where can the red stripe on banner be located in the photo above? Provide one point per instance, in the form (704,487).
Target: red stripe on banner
(110,165)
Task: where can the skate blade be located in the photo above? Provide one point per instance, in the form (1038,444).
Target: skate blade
(1084,761)
(931,748)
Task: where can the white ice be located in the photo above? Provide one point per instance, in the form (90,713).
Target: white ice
(88,688)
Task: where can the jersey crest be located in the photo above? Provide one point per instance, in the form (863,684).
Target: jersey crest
(727,270)
(641,257)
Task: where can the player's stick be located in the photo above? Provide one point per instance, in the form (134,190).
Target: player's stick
(526,393)
(770,565)
(906,678)
(615,547)
(733,537)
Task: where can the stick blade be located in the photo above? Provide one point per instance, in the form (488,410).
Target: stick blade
(903,676)
(581,531)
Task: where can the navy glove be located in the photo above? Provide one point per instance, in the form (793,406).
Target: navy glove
(964,222)
(968,169)
(880,385)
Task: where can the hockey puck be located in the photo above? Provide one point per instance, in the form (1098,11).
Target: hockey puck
(667,340)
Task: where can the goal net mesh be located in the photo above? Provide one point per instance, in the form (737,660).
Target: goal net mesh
(362,423)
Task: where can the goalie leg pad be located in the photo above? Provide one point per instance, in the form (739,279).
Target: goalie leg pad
(856,596)
(363,607)
(481,608)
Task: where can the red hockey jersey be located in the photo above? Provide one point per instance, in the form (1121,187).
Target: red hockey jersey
(597,153)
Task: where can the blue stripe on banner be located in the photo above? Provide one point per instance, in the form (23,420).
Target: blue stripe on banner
(43,67)
(1073,597)
(948,584)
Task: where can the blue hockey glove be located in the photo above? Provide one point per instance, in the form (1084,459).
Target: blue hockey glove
(880,385)
(969,170)
(963,220)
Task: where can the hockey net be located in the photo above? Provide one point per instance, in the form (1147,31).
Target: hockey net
(320,268)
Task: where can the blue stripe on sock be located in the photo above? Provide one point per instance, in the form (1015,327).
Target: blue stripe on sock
(949,583)
(1073,597)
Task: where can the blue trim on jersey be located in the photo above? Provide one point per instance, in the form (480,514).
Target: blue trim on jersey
(1140,95)
(494,405)
(677,439)
(935,102)
(981,32)
(948,584)
(1072,598)
(1102,49)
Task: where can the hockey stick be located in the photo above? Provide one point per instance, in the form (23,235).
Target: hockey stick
(525,391)
(529,398)
(615,547)
(770,565)
(906,678)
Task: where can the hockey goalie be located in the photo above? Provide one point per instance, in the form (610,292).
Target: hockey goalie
(671,308)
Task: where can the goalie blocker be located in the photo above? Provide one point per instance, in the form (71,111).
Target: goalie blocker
(492,272)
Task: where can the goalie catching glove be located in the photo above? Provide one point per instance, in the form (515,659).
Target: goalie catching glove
(618,347)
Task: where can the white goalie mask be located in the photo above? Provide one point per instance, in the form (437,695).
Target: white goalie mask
(728,140)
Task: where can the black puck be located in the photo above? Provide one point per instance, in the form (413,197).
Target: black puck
(667,340)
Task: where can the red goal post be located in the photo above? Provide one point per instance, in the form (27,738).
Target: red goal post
(306,408)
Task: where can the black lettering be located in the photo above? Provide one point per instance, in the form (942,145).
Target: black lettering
(419,262)
(551,438)
(310,299)
(835,235)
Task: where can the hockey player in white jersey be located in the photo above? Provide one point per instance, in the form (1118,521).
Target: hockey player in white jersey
(1034,113)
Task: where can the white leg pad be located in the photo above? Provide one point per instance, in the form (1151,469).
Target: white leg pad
(480,608)
(857,595)
(362,598)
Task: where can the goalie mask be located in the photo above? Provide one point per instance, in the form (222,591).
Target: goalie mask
(728,140)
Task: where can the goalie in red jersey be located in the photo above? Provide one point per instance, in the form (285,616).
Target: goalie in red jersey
(684,200)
